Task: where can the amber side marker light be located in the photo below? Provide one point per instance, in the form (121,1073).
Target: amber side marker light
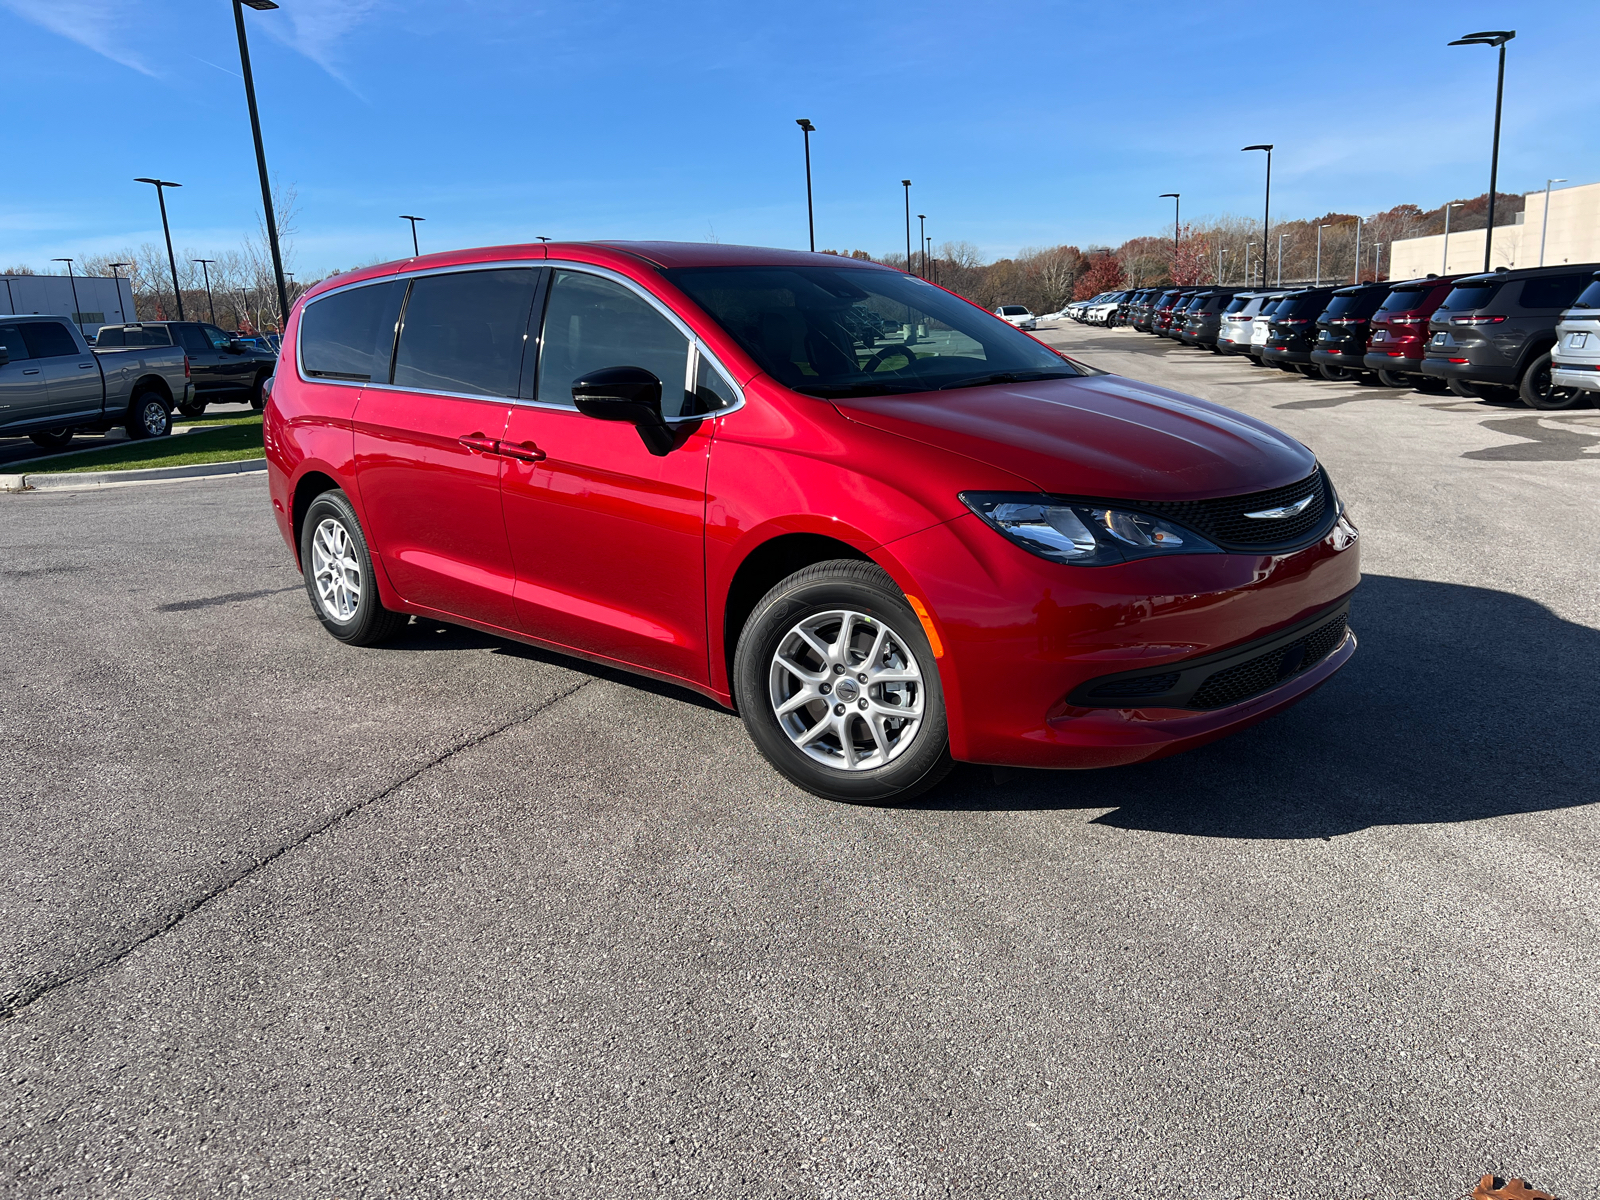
(927,626)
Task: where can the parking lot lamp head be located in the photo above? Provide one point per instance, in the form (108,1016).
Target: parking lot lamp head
(1545,227)
(806,130)
(269,211)
(1266,212)
(172,261)
(1496,38)
(415,253)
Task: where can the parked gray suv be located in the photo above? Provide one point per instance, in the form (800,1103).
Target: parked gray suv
(1497,331)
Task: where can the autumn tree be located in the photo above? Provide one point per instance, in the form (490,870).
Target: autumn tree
(1104,274)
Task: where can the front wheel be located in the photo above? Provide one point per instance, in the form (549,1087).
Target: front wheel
(338,572)
(51,439)
(1539,392)
(149,416)
(838,686)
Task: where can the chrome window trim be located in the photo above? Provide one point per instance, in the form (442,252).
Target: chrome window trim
(697,348)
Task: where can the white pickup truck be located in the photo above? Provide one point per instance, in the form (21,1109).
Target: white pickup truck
(52,383)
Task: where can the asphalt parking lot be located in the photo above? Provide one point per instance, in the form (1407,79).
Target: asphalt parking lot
(455,917)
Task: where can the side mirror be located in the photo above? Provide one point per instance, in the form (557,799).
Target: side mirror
(629,394)
(234,346)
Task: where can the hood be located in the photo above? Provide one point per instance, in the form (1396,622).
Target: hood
(1103,436)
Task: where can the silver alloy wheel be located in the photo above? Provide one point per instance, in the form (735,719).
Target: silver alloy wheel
(153,415)
(336,570)
(847,689)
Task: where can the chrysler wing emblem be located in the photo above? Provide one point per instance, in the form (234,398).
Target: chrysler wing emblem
(1288,510)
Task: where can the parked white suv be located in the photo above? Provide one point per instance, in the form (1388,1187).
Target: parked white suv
(1260,321)
(1576,356)
(1018,315)
(1239,322)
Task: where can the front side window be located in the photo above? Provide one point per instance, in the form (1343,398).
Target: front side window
(192,339)
(218,339)
(591,323)
(344,334)
(802,326)
(48,339)
(465,332)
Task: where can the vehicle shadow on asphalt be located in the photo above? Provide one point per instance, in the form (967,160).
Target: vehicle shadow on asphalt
(1461,703)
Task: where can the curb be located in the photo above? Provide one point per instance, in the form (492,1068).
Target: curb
(99,479)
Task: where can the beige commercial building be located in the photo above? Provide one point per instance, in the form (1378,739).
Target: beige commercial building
(1573,237)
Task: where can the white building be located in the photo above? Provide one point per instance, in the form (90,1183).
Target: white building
(101,301)
(1573,236)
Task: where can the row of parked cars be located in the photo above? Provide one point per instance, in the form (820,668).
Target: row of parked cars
(1533,332)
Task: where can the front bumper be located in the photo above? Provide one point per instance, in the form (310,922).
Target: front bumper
(1022,637)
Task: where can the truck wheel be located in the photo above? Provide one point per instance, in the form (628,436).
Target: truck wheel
(51,439)
(149,416)
(258,395)
(1538,391)
(195,408)
(838,686)
(338,572)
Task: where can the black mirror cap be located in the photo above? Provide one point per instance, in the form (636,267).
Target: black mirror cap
(629,394)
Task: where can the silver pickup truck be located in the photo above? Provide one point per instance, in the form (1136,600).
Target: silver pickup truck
(52,384)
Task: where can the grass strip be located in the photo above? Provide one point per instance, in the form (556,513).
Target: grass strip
(227,443)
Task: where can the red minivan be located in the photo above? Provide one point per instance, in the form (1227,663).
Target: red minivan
(888,528)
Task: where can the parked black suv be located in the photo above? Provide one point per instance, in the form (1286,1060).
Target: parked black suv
(1144,313)
(225,369)
(1497,330)
(1204,321)
(1342,330)
(1292,329)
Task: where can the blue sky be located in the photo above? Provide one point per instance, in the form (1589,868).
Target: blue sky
(1020,124)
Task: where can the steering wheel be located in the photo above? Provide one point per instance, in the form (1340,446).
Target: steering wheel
(872,365)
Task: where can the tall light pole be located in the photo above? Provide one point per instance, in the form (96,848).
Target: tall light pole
(1320,228)
(205,270)
(1497,38)
(1281,236)
(77,311)
(922,241)
(172,261)
(906,183)
(261,155)
(1357,279)
(1247,246)
(1444,266)
(1174,197)
(415,253)
(1266,212)
(117,283)
(927,251)
(806,130)
(1545,227)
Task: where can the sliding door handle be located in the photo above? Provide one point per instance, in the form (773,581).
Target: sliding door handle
(478,442)
(526,452)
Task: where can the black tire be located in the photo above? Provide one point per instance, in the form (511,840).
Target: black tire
(1336,374)
(258,397)
(367,622)
(1463,389)
(865,589)
(149,415)
(1309,370)
(1537,391)
(1396,379)
(196,408)
(1431,384)
(51,439)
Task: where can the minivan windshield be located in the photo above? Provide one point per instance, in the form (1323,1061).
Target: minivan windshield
(1469,295)
(852,331)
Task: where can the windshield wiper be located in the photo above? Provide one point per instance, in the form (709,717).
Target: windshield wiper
(1008,377)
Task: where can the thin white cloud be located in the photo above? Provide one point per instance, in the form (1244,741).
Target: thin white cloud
(94,24)
(318,29)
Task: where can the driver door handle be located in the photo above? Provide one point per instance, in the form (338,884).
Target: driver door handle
(526,452)
(478,442)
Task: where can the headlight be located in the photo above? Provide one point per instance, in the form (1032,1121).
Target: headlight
(1084,534)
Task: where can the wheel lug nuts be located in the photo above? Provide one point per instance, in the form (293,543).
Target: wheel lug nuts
(826,688)
(838,669)
(838,710)
(862,677)
(861,704)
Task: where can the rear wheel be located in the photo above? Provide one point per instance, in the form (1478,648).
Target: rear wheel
(1307,369)
(338,572)
(51,439)
(194,408)
(838,686)
(1396,379)
(1539,392)
(149,415)
(258,393)
(1336,374)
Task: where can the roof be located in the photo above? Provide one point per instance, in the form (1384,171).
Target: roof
(713,254)
(1529,272)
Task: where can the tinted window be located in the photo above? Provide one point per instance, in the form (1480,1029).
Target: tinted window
(1471,295)
(592,323)
(339,332)
(48,339)
(218,339)
(465,332)
(149,335)
(1555,291)
(191,339)
(790,319)
(1340,306)
(1271,306)
(1403,299)
(111,337)
(1590,298)
(1237,304)
(711,390)
(11,339)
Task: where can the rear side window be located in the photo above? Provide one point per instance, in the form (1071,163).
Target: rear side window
(1403,300)
(465,332)
(11,339)
(592,323)
(1590,297)
(48,339)
(111,337)
(192,339)
(1555,291)
(339,333)
(1469,296)
(149,335)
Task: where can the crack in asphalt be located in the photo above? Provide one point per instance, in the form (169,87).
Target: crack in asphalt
(13,1005)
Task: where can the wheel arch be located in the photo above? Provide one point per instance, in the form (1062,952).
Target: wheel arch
(1542,343)
(306,489)
(149,383)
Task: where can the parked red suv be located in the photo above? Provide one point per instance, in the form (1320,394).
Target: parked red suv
(1399,332)
(886,526)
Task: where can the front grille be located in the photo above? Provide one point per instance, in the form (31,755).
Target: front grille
(1267,670)
(1223,521)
